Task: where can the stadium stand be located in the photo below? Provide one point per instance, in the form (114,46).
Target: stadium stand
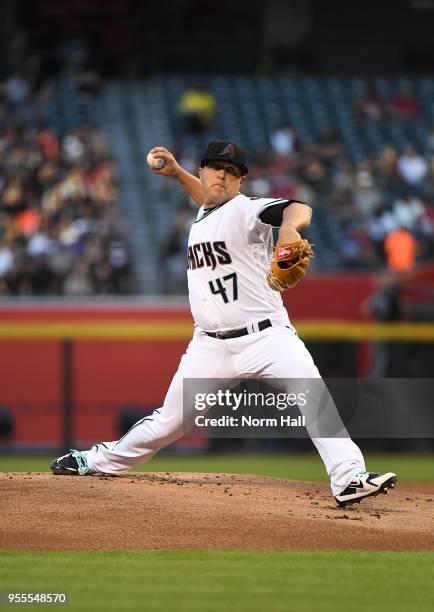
(61,231)
(365,174)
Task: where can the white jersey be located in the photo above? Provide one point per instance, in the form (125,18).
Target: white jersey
(229,252)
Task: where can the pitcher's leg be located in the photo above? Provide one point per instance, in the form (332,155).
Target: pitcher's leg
(292,361)
(342,459)
(145,438)
(205,358)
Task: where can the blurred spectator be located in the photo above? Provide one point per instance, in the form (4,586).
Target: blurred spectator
(119,263)
(47,140)
(355,249)
(387,160)
(412,166)
(408,211)
(197,108)
(371,106)
(315,174)
(77,283)
(430,142)
(386,174)
(329,147)
(17,90)
(260,186)
(175,250)
(6,258)
(384,305)
(366,195)
(284,140)
(400,247)
(380,224)
(404,105)
(343,181)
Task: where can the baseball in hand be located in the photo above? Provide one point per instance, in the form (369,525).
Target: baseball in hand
(155,162)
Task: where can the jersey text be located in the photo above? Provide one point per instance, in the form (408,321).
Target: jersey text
(208,254)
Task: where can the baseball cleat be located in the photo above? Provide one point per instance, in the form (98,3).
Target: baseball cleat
(366,484)
(72,464)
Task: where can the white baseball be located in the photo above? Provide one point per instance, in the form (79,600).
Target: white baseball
(155,162)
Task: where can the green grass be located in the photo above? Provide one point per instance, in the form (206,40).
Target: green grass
(297,467)
(211,581)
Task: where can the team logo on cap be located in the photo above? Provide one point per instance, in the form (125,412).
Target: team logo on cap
(229,150)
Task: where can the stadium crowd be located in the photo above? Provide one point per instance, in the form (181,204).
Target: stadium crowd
(60,228)
(382,207)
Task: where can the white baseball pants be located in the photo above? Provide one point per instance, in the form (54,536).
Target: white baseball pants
(275,353)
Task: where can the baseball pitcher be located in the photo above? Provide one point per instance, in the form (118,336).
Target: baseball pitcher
(241,328)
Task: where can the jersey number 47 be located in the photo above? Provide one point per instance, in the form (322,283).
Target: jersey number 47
(219,286)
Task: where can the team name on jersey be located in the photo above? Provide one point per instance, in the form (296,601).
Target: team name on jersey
(208,254)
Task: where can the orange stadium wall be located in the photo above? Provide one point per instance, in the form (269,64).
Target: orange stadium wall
(108,374)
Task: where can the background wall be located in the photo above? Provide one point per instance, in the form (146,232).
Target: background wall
(103,364)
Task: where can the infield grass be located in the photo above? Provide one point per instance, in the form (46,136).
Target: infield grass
(308,467)
(234,581)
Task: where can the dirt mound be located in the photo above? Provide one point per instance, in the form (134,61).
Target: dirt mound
(41,511)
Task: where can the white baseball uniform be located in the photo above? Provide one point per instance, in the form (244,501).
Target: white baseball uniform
(229,251)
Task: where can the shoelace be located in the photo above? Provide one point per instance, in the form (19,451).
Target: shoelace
(81,461)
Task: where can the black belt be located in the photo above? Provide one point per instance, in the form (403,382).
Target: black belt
(237,333)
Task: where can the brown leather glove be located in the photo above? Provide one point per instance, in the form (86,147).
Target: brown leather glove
(289,265)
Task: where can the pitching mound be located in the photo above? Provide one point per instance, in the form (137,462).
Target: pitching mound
(41,511)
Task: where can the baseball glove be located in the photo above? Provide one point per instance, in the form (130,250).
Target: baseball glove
(289,265)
